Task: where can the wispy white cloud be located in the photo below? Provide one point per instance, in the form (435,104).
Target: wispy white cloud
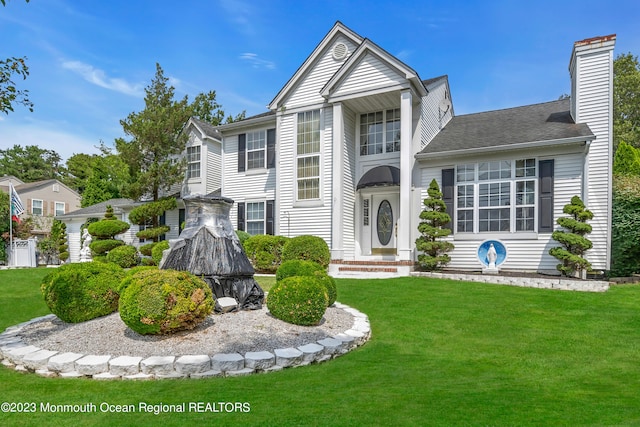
(404,54)
(240,13)
(99,78)
(257,62)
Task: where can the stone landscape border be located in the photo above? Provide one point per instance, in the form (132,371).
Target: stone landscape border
(563,284)
(16,354)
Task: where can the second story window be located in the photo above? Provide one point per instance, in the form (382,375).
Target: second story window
(256,147)
(193,162)
(380,132)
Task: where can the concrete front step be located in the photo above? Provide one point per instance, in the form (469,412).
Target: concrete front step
(378,269)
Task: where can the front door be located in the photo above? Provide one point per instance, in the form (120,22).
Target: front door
(384,216)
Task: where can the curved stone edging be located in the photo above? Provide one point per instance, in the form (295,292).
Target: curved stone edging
(16,354)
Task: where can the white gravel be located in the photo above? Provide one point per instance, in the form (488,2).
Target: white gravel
(239,332)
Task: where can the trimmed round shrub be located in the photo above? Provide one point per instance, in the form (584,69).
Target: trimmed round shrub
(309,248)
(265,252)
(165,301)
(156,252)
(298,300)
(308,268)
(106,229)
(147,262)
(146,249)
(125,256)
(152,233)
(100,247)
(297,267)
(82,291)
(128,276)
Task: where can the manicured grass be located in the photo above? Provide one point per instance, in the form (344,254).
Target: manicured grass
(442,353)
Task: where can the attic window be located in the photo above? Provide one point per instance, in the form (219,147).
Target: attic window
(340,51)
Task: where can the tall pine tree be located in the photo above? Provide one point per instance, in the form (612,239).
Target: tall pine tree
(434,218)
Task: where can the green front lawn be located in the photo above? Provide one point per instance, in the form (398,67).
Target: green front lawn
(442,353)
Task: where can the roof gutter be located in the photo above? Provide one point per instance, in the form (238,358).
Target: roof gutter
(507,147)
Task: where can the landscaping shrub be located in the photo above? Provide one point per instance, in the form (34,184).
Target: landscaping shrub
(125,256)
(106,229)
(156,252)
(308,269)
(146,249)
(99,247)
(309,248)
(164,301)
(434,217)
(297,267)
(153,233)
(574,244)
(148,262)
(82,291)
(265,252)
(128,276)
(298,300)
(242,236)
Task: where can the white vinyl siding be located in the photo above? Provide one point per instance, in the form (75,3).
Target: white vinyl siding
(308,90)
(433,119)
(528,252)
(213,167)
(594,88)
(369,74)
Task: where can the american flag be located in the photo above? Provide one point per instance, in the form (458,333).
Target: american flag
(16,204)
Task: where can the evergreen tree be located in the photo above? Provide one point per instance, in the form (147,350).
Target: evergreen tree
(626,160)
(434,217)
(574,244)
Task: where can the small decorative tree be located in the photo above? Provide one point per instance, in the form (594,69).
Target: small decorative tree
(103,232)
(573,242)
(434,217)
(149,212)
(63,246)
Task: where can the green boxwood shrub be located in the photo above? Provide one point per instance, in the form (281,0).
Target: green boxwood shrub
(147,262)
(297,267)
(298,300)
(106,229)
(82,291)
(128,276)
(265,252)
(308,268)
(100,247)
(156,252)
(309,248)
(125,256)
(242,236)
(146,249)
(165,301)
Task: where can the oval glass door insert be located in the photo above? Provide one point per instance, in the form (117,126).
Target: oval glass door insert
(385,222)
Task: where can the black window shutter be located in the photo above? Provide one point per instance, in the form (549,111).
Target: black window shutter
(242,148)
(545,196)
(271,148)
(270,214)
(448,181)
(241,216)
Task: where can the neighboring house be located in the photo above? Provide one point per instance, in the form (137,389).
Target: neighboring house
(351,142)
(353,139)
(43,200)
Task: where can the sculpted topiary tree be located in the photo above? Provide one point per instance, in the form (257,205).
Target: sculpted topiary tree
(573,242)
(103,233)
(434,217)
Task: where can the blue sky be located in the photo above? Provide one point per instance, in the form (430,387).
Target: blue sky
(90,60)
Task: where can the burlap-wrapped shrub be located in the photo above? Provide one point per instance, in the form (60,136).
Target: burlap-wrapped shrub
(164,301)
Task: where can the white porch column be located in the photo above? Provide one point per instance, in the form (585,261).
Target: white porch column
(405,246)
(337,173)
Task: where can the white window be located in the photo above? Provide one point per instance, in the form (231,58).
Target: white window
(496,196)
(255,218)
(59,208)
(256,149)
(308,155)
(193,162)
(36,207)
(380,132)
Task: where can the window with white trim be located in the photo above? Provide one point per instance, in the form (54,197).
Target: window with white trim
(308,156)
(380,132)
(59,208)
(255,218)
(36,207)
(256,149)
(193,162)
(496,196)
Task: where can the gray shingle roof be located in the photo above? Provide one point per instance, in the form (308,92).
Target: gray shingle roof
(97,210)
(207,128)
(550,121)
